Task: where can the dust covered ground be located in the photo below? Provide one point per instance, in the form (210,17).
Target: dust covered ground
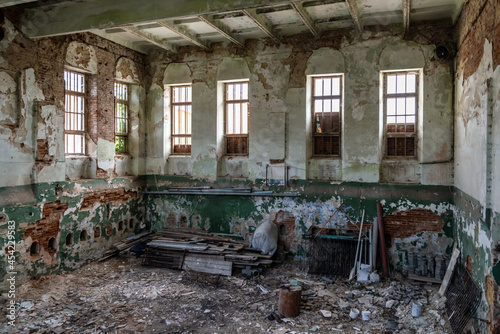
(121,296)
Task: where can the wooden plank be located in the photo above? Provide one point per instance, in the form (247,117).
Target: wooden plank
(449,271)
(208,264)
(241,257)
(176,245)
(424,278)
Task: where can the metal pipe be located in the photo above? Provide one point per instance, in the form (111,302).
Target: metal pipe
(255,193)
(267,183)
(382,239)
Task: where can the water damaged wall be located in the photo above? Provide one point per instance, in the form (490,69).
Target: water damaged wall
(418,218)
(66,209)
(477,150)
(280,116)
(280,137)
(69,209)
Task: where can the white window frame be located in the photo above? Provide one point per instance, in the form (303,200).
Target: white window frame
(75,106)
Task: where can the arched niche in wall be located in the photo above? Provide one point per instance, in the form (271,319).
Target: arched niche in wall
(325,61)
(401,57)
(233,69)
(177,73)
(126,70)
(82,56)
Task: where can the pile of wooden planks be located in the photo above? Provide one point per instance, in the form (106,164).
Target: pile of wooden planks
(201,251)
(126,244)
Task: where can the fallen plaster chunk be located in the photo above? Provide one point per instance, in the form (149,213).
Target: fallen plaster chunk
(326,313)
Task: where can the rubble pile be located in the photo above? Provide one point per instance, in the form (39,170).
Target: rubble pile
(121,296)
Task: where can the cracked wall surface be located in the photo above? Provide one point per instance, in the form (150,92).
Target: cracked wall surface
(477,145)
(279,85)
(449,195)
(58,201)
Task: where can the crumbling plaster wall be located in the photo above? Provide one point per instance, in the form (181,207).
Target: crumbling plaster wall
(32,108)
(278,86)
(50,196)
(430,231)
(61,212)
(477,149)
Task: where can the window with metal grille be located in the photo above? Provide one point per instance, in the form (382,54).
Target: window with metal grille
(181,119)
(327,115)
(74,112)
(400,113)
(236,118)
(121,117)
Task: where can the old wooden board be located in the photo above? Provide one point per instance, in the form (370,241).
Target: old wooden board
(424,278)
(177,245)
(449,271)
(211,264)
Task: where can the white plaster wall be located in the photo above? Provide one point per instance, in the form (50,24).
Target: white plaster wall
(296,102)
(137,138)
(17,143)
(204,125)
(272,94)
(495,192)
(470,129)
(155,156)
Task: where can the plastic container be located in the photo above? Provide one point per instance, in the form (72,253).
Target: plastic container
(354,313)
(365,315)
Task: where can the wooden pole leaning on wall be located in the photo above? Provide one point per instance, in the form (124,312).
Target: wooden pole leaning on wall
(381,232)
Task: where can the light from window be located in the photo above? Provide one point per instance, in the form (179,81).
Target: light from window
(181,119)
(121,117)
(74,113)
(236,119)
(327,107)
(401,105)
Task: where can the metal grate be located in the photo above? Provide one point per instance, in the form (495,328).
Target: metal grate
(331,255)
(462,299)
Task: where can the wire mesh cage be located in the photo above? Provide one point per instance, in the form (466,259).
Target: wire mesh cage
(462,299)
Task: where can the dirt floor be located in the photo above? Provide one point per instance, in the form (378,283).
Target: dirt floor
(121,296)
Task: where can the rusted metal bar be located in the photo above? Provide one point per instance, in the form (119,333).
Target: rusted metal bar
(382,239)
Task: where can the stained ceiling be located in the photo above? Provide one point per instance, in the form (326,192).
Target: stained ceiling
(169,24)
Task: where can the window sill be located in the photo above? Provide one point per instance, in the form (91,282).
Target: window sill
(235,156)
(326,157)
(76,156)
(400,159)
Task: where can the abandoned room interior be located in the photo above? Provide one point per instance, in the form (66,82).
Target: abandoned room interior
(337,129)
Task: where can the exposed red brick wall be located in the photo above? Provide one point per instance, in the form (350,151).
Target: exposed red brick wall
(42,149)
(496,43)
(286,230)
(404,224)
(48,226)
(48,56)
(107,196)
(475,25)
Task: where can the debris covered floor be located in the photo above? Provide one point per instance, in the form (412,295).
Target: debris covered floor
(122,296)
